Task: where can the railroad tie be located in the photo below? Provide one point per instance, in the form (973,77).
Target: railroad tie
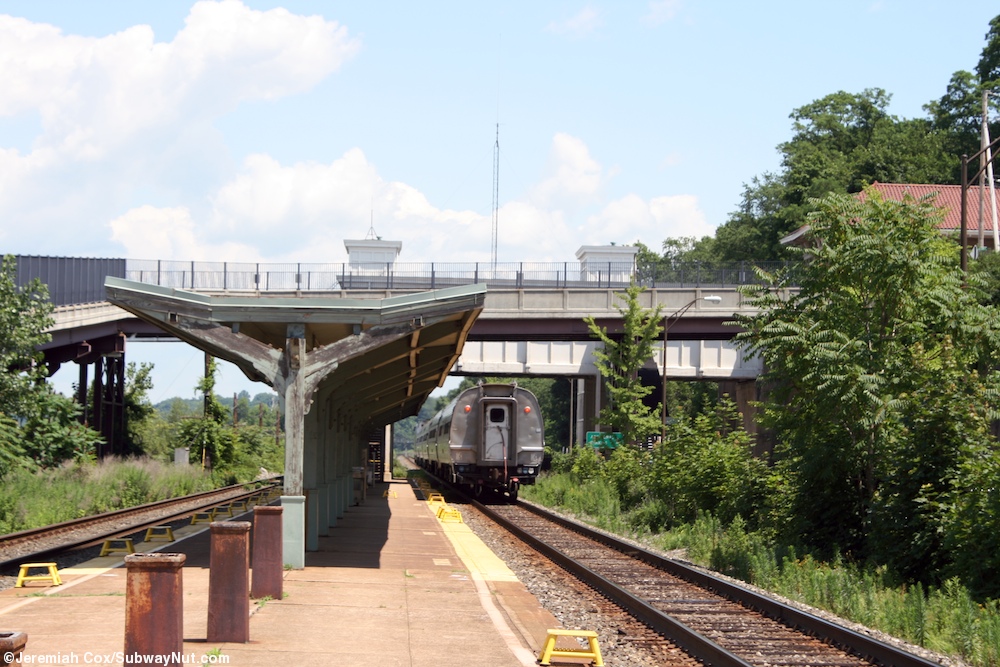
(550,651)
(52,576)
(110,546)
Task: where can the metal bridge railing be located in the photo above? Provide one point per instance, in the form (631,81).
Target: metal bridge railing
(81,280)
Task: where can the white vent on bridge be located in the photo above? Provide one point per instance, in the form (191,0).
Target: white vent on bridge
(366,254)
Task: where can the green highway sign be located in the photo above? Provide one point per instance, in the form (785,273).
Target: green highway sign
(599,440)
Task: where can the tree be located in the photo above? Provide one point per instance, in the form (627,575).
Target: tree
(206,438)
(855,356)
(25,314)
(52,432)
(619,362)
(958,114)
(138,409)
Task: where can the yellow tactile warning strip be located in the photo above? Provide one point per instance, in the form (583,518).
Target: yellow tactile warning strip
(485,568)
(477,556)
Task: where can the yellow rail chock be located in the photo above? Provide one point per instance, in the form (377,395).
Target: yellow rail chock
(159,533)
(203,517)
(550,651)
(388,493)
(237,507)
(435,498)
(225,509)
(23,576)
(451,514)
(111,546)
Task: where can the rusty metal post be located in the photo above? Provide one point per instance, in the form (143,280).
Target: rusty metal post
(229,582)
(154,606)
(268,566)
(11,645)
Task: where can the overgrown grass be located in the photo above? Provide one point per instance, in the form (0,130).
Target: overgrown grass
(945,619)
(33,499)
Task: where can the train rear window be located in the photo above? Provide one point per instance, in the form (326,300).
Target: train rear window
(498,415)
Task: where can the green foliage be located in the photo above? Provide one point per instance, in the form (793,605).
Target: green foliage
(233,453)
(619,362)
(944,618)
(12,454)
(871,361)
(704,465)
(31,499)
(25,314)
(52,434)
(971,521)
(138,409)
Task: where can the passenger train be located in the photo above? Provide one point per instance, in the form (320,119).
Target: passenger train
(490,438)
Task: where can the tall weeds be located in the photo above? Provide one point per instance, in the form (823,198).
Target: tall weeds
(32,499)
(945,619)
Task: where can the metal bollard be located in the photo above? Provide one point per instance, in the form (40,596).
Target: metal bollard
(154,607)
(11,645)
(268,568)
(229,582)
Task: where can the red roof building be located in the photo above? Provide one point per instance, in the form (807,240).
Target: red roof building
(946,197)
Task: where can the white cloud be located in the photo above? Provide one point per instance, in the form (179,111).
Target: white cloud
(583,24)
(123,113)
(633,218)
(127,146)
(574,177)
(147,232)
(304,211)
(661,11)
(94,94)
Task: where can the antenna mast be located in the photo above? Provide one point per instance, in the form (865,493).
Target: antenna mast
(496,197)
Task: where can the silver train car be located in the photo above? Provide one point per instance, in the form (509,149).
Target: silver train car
(490,438)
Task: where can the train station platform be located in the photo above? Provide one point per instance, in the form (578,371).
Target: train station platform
(392,585)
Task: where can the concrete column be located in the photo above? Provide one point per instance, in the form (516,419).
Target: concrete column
(294,542)
(229,582)
(293,546)
(323,510)
(295,410)
(591,403)
(312,520)
(154,606)
(331,505)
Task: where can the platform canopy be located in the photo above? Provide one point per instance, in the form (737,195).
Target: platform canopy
(381,357)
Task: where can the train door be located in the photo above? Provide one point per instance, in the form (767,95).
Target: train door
(496,436)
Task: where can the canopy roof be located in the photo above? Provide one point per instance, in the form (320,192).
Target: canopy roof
(381,357)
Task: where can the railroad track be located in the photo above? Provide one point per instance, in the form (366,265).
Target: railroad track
(44,543)
(713,620)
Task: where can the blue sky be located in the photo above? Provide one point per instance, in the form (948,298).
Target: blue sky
(271,131)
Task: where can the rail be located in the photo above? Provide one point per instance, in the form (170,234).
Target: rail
(45,541)
(692,641)
(838,635)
